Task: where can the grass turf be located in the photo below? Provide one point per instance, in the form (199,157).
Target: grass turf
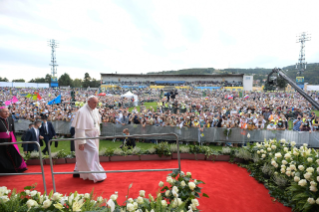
(148,105)
(65,145)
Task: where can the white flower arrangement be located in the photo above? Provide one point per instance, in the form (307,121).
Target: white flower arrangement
(32,200)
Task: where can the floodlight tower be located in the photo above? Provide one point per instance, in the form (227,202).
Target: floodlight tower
(53,44)
(302,64)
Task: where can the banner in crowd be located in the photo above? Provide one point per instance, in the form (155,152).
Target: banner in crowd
(236,135)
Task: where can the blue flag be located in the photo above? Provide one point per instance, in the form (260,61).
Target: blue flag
(57,100)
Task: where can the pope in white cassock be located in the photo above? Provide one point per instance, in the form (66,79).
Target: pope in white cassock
(87,124)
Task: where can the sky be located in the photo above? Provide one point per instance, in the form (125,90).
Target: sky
(140,36)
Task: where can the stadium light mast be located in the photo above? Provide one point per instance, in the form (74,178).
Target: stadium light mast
(302,64)
(53,44)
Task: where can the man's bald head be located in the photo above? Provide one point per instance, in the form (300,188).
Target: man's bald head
(92,102)
(4,112)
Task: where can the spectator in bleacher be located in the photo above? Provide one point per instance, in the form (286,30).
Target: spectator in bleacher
(271,125)
(297,123)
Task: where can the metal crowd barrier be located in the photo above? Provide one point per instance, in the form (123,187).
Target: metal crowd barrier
(31,173)
(192,134)
(115,171)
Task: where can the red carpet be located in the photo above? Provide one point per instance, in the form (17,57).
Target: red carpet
(230,187)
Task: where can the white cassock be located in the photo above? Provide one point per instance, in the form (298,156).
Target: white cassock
(87,124)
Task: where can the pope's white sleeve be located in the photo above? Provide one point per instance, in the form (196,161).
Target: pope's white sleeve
(80,134)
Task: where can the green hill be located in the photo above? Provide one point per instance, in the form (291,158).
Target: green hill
(311,74)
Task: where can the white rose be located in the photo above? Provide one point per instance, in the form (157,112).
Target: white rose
(142,193)
(285,149)
(302,182)
(273,147)
(313,183)
(56,196)
(311,201)
(188,174)
(258,152)
(4,199)
(167,193)
(283,166)
(278,155)
(170,180)
(93,201)
(135,205)
(307,175)
(270,153)
(30,203)
(293,143)
(130,207)
(161,184)
(175,191)
(183,184)
(195,202)
(113,197)
(130,200)
(305,145)
(248,135)
(292,167)
(33,193)
(317,161)
(140,200)
(87,195)
(99,199)
(164,203)
(268,149)
(282,170)
(296,179)
(284,162)
(27,192)
(288,173)
(309,160)
(263,155)
(310,169)
(47,203)
(301,167)
(318,178)
(191,185)
(283,140)
(317,201)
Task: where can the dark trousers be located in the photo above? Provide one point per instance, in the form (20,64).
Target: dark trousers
(46,140)
(72,131)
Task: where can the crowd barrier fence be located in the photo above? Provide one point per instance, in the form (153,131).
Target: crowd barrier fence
(193,134)
(115,171)
(30,173)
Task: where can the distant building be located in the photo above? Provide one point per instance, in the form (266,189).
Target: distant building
(235,80)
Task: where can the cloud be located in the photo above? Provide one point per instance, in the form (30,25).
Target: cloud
(148,35)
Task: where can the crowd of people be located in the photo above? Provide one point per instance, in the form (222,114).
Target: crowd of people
(182,108)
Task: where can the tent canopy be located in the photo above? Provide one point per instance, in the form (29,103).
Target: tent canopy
(129,94)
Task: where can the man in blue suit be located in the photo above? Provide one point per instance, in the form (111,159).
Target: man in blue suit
(33,134)
(47,131)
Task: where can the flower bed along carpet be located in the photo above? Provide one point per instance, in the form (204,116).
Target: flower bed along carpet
(229,187)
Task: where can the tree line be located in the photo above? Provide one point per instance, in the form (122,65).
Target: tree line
(64,80)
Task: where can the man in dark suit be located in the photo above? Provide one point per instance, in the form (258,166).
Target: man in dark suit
(33,134)
(47,131)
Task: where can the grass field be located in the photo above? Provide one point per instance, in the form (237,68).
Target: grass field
(65,145)
(148,105)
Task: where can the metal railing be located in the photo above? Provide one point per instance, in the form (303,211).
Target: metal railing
(114,171)
(31,173)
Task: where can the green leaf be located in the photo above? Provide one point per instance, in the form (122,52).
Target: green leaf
(27,188)
(205,195)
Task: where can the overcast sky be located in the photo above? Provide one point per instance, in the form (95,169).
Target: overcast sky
(141,36)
